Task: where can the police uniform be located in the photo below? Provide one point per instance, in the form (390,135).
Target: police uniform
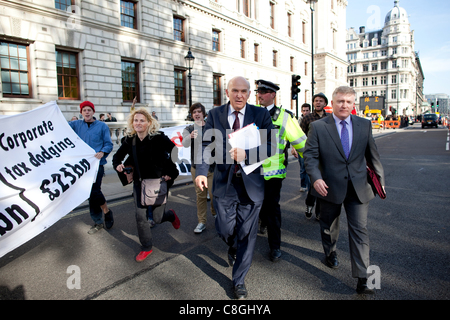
(275,168)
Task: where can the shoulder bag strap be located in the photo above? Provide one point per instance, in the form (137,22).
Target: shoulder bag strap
(136,165)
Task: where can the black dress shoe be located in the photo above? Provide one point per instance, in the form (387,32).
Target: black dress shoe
(240,292)
(275,255)
(231,256)
(332,261)
(361,287)
(109,220)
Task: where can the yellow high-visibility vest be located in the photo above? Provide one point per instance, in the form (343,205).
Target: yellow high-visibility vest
(288,130)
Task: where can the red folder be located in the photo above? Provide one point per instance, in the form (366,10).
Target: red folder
(374,180)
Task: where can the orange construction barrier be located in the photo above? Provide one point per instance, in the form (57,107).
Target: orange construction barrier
(394,124)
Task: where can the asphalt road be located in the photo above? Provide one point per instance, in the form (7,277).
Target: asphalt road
(409,233)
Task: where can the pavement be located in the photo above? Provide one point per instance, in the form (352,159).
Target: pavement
(185,266)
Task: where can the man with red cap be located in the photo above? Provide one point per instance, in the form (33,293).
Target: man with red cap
(96,134)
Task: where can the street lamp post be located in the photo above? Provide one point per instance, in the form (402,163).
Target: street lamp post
(311,6)
(189,61)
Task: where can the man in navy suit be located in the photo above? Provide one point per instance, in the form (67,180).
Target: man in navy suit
(238,197)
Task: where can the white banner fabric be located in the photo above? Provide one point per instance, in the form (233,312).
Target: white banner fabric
(46,171)
(175,134)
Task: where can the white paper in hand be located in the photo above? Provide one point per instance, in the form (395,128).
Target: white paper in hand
(246,138)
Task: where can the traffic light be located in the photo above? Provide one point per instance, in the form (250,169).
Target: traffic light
(295,86)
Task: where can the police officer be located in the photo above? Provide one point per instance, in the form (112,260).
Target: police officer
(275,167)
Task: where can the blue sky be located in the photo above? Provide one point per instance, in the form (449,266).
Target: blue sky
(430,21)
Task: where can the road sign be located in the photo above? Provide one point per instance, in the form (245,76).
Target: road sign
(371,103)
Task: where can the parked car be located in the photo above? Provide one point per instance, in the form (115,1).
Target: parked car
(430,120)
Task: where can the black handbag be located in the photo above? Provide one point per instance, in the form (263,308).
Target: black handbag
(153,191)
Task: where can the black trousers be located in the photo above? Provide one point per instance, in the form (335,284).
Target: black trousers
(357,229)
(270,214)
(237,225)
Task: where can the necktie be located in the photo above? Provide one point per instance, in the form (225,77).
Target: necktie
(236,126)
(237,123)
(345,139)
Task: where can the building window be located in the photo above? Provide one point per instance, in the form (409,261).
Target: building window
(394,94)
(217,87)
(374,81)
(63,4)
(247,8)
(394,79)
(291,64)
(374,66)
(365,82)
(272,15)
(304,31)
(383,65)
(180,86)
(394,64)
(178,29)
(67,74)
(289,21)
(128,14)
(306,68)
(130,81)
(383,80)
(365,67)
(274,58)
(256,51)
(216,40)
(14,64)
(242,48)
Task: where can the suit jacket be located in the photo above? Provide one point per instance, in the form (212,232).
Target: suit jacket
(217,129)
(325,159)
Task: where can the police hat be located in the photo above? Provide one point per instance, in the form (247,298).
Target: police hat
(267,85)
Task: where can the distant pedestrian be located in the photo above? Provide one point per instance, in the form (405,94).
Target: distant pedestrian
(153,151)
(110,118)
(320,101)
(304,178)
(192,137)
(154,115)
(97,135)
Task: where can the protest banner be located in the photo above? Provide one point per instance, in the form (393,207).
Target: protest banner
(46,171)
(175,134)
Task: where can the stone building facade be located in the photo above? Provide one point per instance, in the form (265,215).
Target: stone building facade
(384,63)
(109,51)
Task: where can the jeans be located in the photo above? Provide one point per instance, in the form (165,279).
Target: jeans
(96,198)
(305,182)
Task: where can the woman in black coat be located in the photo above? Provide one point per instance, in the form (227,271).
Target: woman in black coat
(153,152)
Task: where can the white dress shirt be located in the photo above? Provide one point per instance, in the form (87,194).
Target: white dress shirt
(232,117)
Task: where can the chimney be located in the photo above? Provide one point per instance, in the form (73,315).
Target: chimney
(362,29)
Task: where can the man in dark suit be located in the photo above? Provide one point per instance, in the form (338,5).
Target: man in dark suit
(238,197)
(337,149)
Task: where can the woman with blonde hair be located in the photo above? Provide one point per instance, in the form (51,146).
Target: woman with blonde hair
(153,152)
